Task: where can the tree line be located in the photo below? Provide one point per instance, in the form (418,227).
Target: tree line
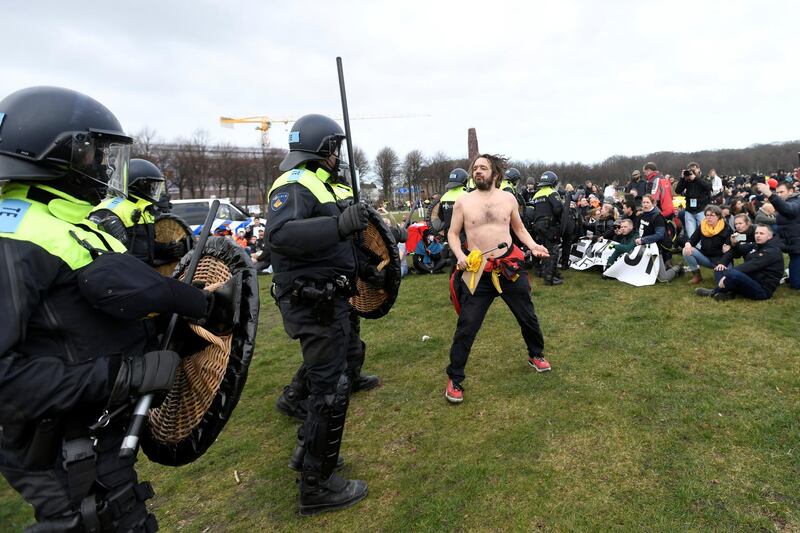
(196,168)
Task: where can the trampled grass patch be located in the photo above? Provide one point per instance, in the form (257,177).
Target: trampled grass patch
(664,412)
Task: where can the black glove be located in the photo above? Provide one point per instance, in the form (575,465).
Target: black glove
(152,372)
(353,219)
(223,309)
(374,277)
(174,250)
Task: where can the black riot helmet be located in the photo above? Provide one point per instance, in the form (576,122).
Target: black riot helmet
(548,179)
(513,175)
(63,136)
(145,180)
(458,178)
(313,137)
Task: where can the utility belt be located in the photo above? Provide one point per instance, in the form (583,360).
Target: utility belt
(320,295)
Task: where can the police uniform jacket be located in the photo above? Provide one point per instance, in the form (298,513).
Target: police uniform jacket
(56,350)
(137,217)
(302,229)
(547,206)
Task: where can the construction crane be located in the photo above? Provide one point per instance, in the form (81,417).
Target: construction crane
(263,122)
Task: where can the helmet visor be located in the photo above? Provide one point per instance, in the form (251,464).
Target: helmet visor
(103,158)
(148,188)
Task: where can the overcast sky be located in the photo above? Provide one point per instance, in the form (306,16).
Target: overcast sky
(556,81)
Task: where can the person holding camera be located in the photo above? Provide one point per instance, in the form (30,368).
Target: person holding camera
(697,192)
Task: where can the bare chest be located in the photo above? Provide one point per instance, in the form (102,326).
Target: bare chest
(478,213)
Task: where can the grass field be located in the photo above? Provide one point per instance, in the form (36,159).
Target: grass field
(664,412)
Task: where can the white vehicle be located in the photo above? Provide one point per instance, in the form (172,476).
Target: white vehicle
(194,213)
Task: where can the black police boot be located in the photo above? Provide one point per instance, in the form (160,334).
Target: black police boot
(298,455)
(320,488)
(553,281)
(320,495)
(291,403)
(360,381)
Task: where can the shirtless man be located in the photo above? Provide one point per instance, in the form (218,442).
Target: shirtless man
(486,214)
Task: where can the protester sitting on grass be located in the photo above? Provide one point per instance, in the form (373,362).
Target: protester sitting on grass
(624,240)
(705,247)
(756,278)
(745,231)
(652,230)
(428,257)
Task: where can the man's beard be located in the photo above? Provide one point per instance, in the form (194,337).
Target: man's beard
(482,185)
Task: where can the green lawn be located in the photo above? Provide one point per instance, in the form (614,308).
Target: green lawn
(664,412)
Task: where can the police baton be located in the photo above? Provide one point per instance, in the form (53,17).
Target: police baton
(130,444)
(498,247)
(347,134)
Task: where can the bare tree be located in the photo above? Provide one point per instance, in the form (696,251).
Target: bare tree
(386,167)
(412,168)
(361,162)
(144,145)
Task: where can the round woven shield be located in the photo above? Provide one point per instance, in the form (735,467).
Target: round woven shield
(213,369)
(171,228)
(377,245)
(433,217)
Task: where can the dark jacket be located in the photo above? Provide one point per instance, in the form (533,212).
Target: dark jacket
(712,246)
(651,226)
(302,230)
(787,218)
(763,263)
(697,193)
(641,186)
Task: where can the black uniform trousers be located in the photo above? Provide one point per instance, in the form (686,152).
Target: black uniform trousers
(47,489)
(550,237)
(324,347)
(516,295)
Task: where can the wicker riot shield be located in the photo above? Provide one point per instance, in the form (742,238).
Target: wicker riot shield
(171,228)
(213,369)
(378,247)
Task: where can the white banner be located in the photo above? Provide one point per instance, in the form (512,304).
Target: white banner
(638,267)
(586,254)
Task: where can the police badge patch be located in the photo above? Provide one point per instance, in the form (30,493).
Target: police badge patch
(279,200)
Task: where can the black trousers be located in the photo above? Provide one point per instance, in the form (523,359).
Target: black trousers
(47,489)
(324,347)
(516,295)
(550,238)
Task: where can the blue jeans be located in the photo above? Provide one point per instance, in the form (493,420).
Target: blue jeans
(693,222)
(696,260)
(794,271)
(740,283)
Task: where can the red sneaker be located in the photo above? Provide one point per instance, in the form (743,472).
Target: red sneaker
(454,393)
(539,363)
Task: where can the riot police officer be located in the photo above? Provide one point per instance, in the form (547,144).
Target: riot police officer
(131,220)
(547,211)
(509,183)
(456,186)
(292,401)
(73,344)
(314,263)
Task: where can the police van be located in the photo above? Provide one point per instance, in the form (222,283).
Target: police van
(194,213)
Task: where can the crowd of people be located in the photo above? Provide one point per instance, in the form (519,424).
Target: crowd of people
(730,225)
